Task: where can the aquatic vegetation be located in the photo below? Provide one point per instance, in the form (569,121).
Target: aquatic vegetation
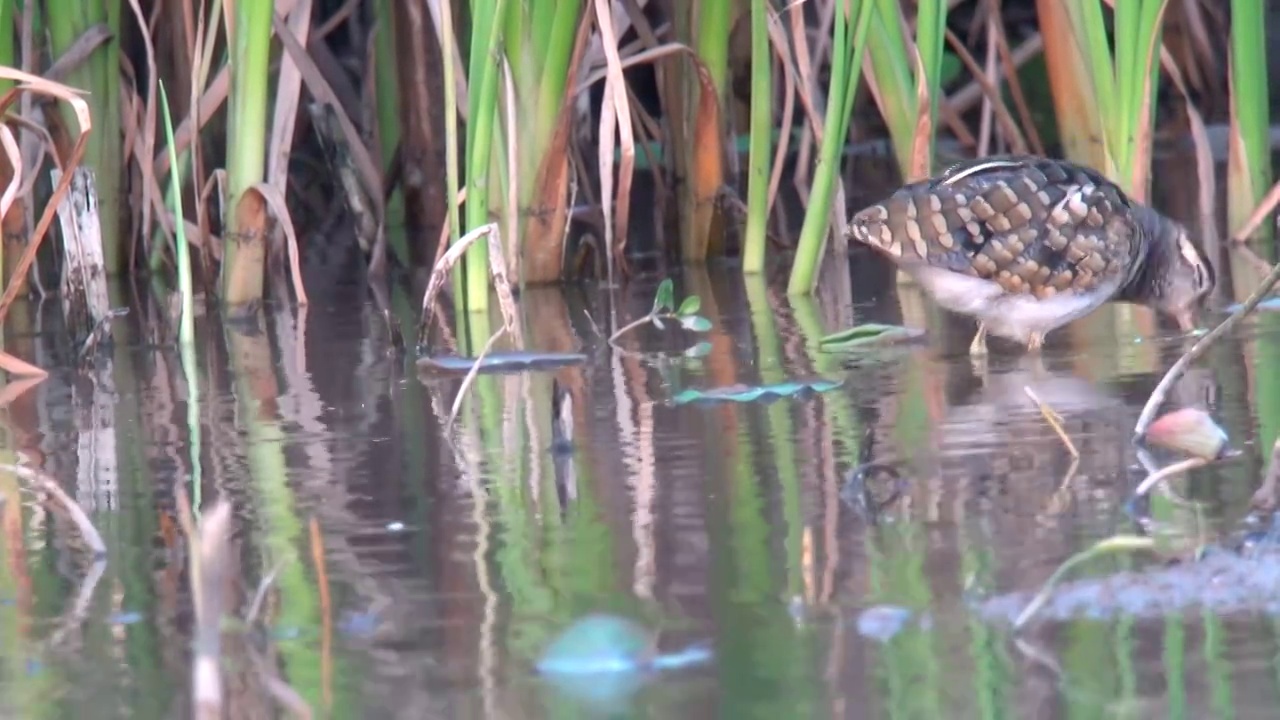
(868,335)
(664,309)
(514,361)
(754,393)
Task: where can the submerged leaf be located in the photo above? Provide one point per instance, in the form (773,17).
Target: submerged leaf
(696,323)
(1190,431)
(702,349)
(664,300)
(599,643)
(690,306)
(752,393)
(501,362)
(869,334)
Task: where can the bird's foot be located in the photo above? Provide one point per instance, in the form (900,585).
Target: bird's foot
(978,352)
(978,348)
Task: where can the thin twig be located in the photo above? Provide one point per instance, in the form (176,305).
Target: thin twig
(471,374)
(630,326)
(1201,346)
(260,596)
(78,516)
(1166,472)
(1055,421)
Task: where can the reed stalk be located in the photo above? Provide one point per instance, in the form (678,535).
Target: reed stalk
(386,81)
(1249,157)
(99,74)
(482,73)
(1103,93)
(848,45)
(761,135)
(908,98)
(250,40)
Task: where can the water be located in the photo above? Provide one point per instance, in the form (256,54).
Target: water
(448,567)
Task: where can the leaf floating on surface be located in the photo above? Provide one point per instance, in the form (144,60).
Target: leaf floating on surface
(501,362)
(752,393)
(869,335)
(695,323)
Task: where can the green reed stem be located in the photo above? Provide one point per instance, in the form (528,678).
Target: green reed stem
(448,42)
(847,52)
(1251,106)
(187,322)
(482,70)
(713,26)
(246,127)
(761,145)
(99,74)
(386,80)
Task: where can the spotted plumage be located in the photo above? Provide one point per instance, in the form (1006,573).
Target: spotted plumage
(1027,244)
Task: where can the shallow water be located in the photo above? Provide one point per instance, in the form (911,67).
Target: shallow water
(448,566)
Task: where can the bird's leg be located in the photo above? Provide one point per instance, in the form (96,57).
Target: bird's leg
(979,345)
(1035,344)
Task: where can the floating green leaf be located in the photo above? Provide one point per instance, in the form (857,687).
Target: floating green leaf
(868,335)
(501,362)
(696,323)
(690,306)
(665,299)
(752,393)
(702,349)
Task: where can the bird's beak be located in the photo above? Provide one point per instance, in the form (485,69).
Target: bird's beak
(1186,320)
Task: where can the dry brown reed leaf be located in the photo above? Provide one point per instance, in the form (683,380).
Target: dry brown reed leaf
(47,484)
(14,154)
(616,97)
(1017,142)
(20,368)
(41,86)
(319,87)
(778,41)
(79,52)
(497,271)
(1260,213)
(288,95)
(275,200)
(210,101)
(922,136)
(1207,185)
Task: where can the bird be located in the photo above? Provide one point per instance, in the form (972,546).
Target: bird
(1026,244)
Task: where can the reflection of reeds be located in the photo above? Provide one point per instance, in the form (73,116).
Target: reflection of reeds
(46,484)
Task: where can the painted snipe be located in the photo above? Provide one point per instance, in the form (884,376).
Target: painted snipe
(1027,244)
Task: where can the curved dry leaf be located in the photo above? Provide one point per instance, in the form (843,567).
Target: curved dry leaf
(19,367)
(319,88)
(34,83)
(15,161)
(275,200)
